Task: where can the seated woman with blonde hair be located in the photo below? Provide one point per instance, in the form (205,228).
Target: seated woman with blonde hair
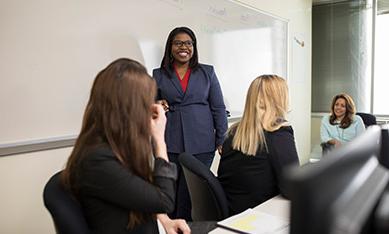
(119,170)
(258,147)
(342,125)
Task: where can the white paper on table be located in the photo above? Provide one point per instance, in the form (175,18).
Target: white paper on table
(251,221)
(161,229)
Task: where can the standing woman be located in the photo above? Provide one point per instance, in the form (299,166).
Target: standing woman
(196,117)
(258,147)
(342,125)
(121,187)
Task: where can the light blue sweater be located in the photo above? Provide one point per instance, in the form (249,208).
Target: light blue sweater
(329,131)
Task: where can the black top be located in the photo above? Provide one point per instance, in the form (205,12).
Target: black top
(108,191)
(250,180)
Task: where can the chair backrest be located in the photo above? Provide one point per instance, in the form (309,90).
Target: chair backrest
(368,119)
(209,202)
(64,209)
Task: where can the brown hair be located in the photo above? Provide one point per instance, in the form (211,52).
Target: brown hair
(118,115)
(265,110)
(350,111)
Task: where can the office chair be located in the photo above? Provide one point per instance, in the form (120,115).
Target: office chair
(209,203)
(64,209)
(368,119)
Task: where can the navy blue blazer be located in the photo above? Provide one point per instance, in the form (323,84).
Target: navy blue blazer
(197,120)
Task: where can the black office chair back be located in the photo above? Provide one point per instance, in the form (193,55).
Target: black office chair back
(64,209)
(209,202)
(368,119)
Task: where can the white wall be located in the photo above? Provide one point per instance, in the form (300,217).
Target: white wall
(22,177)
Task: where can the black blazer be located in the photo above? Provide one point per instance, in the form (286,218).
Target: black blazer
(108,191)
(251,180)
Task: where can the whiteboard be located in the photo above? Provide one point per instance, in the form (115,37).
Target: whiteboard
(51,50)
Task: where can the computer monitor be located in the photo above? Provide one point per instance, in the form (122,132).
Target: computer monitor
(338,193)
(381,216)
(384,155)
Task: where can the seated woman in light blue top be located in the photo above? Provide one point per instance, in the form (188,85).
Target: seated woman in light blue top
(342,125)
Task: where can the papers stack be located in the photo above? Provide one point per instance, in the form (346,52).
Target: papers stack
(251,221)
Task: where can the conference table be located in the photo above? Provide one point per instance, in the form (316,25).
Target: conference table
(277,206)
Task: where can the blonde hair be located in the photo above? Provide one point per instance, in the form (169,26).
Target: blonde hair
(265,110)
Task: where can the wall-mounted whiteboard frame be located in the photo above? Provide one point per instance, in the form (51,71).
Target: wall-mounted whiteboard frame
(52,50)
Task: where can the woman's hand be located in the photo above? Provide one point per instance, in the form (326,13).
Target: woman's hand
(164,104)
(158,123)
(220,149)
(173,226)
(335,142)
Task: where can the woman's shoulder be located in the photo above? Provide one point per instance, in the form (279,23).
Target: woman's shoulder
(357,118)
(227,144)
(280,136)
(157,72)
(326,118)
(284,130)
(206,67)
(231,132)
(97,158)
(99,153)
(229,137)
(325,121)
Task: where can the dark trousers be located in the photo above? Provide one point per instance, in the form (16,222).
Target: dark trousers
(183,204)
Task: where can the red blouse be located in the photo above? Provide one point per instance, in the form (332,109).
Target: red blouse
(184,81)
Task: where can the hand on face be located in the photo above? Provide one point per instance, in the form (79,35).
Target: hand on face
(182,53)
(158,123)
(164,104)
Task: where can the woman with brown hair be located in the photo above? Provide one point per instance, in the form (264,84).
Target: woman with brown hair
(342,125)
(258,147)
(111,171)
